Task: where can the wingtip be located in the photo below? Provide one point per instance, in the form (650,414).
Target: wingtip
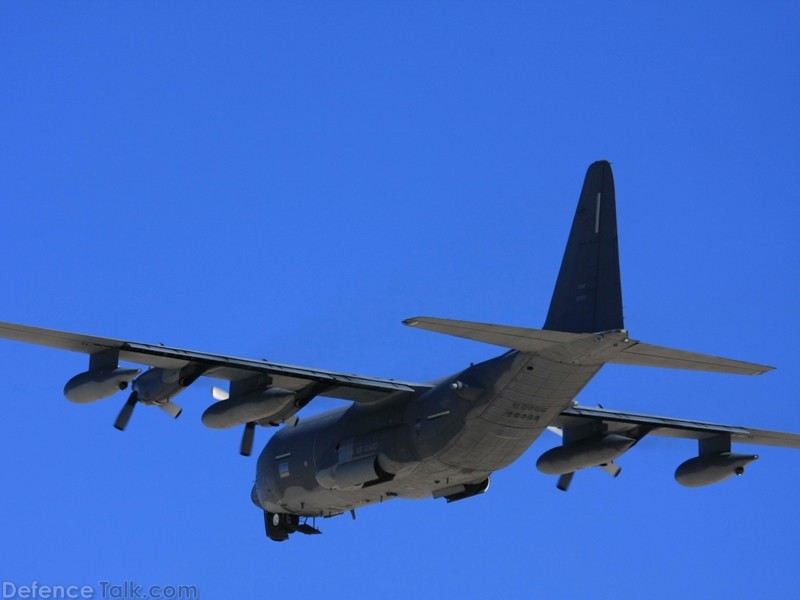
(764,369)
(760,369)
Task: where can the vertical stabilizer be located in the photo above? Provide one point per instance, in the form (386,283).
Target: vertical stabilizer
(588,294)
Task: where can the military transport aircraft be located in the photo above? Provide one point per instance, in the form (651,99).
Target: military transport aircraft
(442,439)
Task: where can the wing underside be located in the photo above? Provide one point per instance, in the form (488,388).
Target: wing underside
(623,423)
(595,437)
(328,383)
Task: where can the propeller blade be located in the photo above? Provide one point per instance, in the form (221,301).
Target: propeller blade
(247,439)
(564,481)
(171,409)
(219,393)
(127,410)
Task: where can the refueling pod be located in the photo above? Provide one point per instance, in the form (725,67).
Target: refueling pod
(249,402)
(96,384)
(249,407)
(584,453)
(712,468)
(715,463)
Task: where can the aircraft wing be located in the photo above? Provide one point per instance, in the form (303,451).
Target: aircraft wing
(325,383)
(637,425)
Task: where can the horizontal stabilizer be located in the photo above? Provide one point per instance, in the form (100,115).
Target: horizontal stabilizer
(518,338)
(627,352)
(647,355)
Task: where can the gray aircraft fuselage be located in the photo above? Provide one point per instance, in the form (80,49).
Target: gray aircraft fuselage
(443,442)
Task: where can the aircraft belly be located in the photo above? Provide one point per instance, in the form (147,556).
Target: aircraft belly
(534,392)
(454,440)
(538,392)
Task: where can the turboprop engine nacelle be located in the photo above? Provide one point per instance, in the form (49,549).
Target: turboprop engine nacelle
(157,386)
(249,407)
(583,453)
(96,384)
(712,468)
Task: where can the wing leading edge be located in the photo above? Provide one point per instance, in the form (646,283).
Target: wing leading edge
(595,437)
(622,423)
(345,386)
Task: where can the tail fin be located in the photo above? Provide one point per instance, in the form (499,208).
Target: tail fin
(587,300)
(588,294)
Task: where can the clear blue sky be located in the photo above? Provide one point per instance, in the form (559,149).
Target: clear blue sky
(291,180)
